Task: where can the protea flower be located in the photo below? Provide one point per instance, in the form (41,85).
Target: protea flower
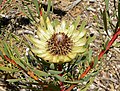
(58,44)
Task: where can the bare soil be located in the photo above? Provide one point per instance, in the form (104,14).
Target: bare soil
(109,77)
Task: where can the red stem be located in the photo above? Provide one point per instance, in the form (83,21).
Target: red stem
(109,44)
(99,57)
(3,2)
(41,12)
(61,83)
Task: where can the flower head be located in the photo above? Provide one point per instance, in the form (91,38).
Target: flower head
(58,44)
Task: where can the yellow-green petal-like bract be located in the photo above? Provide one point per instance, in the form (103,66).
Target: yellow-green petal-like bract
(58,44)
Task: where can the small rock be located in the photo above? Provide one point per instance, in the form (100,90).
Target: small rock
(92,1)
(2,89)
(92,86)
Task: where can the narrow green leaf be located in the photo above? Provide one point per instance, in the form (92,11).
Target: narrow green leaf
(40,73)
(90,55)
(80,59)
(55,23)
(117,25)
(37,6)
(18,61)
(26,62)
(116,44)
(106,44)
(27,14)
(107,4)
(15,37)
(74,82)
(82,26)
(105,21)
(93,74)
(61,78)
(49,6)
(7,69)
(5,2)
(44,15)
(95,61)
(1,1)
(52,66)
(119,13)
(30,12)
(16,51)
(88,84)
(55,72)
(6,49)
(91,39)
(14,80)
(77,22)
(1,54)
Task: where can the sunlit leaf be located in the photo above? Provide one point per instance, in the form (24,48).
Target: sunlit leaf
(31,14)
(77,22)
(91,39)
(52,66)
(14,80)
(49,6)
(95,61)
(82,26)
(37,6)
(61,78)
(18,61)
(116,44)
(107,4)
(7,69)
(74,82)
(7,50)
(40,73)
(55,22)
(55,72)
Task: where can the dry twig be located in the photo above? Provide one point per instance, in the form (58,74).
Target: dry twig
(72,5)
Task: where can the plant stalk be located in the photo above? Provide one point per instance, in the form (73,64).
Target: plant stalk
(99,57)
(61,83)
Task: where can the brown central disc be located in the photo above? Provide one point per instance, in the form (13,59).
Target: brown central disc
(59,44)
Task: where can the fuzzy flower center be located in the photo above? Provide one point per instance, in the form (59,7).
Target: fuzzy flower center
(59,44)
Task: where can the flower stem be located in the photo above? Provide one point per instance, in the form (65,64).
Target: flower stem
(61,83)
(99,57)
